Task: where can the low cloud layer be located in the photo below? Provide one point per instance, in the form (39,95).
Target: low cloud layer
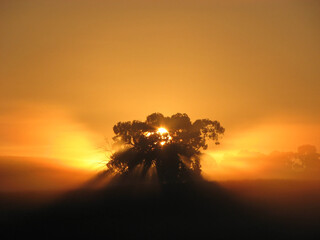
(302,164)
(38,174)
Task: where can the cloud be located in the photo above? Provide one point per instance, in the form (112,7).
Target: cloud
(38,174)
(49,132)
(303,164)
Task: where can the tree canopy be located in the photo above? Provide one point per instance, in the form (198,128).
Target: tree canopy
(171,145)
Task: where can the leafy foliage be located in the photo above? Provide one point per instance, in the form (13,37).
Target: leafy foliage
(172,145)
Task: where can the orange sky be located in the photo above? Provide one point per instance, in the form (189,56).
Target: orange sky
(69,70)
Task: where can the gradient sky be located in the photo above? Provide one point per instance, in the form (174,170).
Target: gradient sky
(69,70)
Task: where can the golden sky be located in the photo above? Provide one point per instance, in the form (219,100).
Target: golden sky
(69,70)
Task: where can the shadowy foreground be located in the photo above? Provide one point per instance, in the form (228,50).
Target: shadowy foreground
(150,211)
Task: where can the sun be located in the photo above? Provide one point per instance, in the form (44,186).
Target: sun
(164,136)
(162,131)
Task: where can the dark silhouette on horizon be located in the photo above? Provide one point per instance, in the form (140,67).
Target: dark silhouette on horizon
(169,146)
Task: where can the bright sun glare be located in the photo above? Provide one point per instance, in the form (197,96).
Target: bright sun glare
(164,135)
(162,130)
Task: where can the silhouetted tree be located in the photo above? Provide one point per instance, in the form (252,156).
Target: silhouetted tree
(171,145)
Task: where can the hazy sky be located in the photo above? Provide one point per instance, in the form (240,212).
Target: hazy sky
(69,70)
